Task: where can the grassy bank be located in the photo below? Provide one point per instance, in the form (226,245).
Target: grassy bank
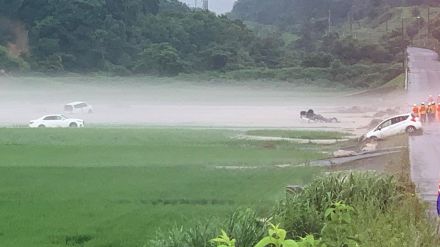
(116,187)
(298,134)
(385,213)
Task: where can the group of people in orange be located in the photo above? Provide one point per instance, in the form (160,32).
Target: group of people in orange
(427,112)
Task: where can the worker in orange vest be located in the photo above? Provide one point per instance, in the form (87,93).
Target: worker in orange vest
(432,112)
(422,112)
(438,111)
(415,110)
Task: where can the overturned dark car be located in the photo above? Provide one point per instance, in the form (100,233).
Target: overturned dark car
(311,116)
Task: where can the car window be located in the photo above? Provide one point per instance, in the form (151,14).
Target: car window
(385,124)
(51,118)
(81,105)
(399,119)
(396,120)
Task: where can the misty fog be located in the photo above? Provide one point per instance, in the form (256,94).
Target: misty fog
(152,101)
(217,6)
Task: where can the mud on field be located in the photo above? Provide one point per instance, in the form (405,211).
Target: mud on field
(167,102)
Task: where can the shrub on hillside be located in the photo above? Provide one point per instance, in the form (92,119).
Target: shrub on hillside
(10,63)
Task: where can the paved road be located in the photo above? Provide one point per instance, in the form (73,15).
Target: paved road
(424,80)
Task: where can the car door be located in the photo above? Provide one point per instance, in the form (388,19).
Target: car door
(83,108)
(397,126)
(58,122)
(401,125)
(63,122)
(393,129)
(383,130)
(51,121)
(77,108)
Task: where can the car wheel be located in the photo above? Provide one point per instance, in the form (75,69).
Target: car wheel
(73,125)
(41,126)
(410,130)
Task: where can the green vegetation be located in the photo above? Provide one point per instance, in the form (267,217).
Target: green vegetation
(162,37)
(117,187)
(299,134)
(336,232)
(362,47)
(281,40)
(291,15)
(353,76)
(8,62)
(342,209)
(396,83)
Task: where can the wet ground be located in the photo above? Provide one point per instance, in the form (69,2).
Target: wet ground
(151,102)
(424,80)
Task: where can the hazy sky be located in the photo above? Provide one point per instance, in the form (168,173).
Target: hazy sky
(218,6)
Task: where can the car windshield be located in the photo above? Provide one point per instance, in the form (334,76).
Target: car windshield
(63,117)
(384,124)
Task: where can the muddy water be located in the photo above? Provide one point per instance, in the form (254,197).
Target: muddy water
(146,101)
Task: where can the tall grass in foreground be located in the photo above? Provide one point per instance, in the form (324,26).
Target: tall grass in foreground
(386,214)
(243,224)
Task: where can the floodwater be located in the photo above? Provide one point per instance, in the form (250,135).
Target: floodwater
(166,102)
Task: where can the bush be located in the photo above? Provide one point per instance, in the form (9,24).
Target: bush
(320,60)
(342,209)
(303,213)
(10,63)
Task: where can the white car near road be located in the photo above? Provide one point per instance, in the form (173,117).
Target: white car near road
(406,123)
(78,107)
(56,121)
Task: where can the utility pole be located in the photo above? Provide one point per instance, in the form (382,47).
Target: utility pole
(205,5)
(428,29)
(386,26)
(403,46)
(329,20)
(351,23)
(195,3)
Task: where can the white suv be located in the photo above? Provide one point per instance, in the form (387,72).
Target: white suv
(406,123)
(78,107)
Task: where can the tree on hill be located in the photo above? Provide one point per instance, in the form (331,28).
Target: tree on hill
(94,35)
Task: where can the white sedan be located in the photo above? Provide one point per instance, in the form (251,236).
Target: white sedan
(56,121)
(406,123)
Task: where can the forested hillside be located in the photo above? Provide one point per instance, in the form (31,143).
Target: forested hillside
(290,15)
(141,36)
(282,39)
(342,35)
